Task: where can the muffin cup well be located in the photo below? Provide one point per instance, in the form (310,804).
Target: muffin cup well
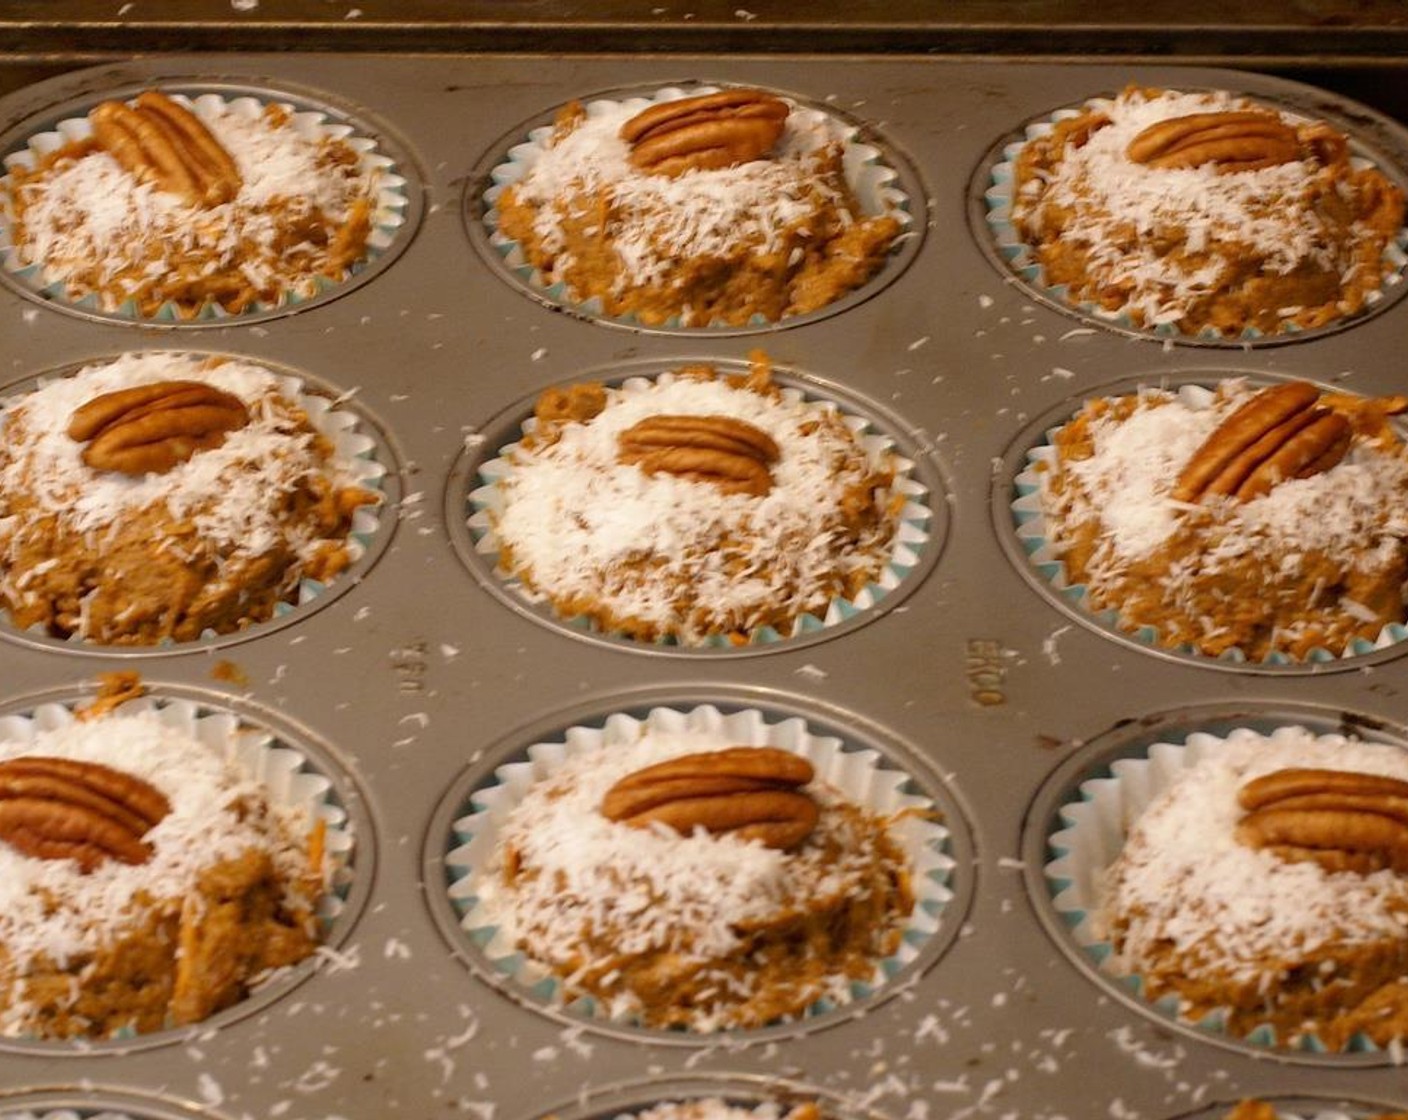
(916,537)
(1019,258)
(292,777)
(363,455)
(1043,560)
(392,219)
(881,181)
(857,774)
(1087,834)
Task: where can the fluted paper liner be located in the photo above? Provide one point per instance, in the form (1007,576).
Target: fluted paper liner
(911,538)
(1044,554)
(289,778)
(387,219)
(1021,258)
(857,774)
(874,183)
(1090,837)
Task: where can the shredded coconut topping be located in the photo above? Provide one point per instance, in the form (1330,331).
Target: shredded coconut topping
(1157,240)
(1354,510)
(90,222)
(652,889)
(1183,882)
(230,492)
(580,524)
(664,220)
(49,908)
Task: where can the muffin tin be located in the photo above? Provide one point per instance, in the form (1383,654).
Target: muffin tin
(417,679)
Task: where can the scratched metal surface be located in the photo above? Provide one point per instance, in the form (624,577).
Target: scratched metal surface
(418,677)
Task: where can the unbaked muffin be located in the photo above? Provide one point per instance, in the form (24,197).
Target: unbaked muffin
(1207,212)
(725,208)
(163,496)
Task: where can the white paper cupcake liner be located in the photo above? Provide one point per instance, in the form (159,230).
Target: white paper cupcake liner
(354,449)
(875,184)
(1021,257)
(912,534)
(1090,838)
(857,774)
(388,216)
(289,778)
(1044,554)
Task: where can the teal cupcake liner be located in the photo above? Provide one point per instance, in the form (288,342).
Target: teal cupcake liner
(912,535)
(1044,555)
(875,183)
(1090,835)
(389,215)
(857,774)
(1020,257)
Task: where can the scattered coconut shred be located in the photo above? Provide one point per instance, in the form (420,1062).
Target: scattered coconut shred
(50,910)
(661,555)
(619,910)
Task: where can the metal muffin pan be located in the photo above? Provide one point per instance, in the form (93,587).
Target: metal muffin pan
(414,675)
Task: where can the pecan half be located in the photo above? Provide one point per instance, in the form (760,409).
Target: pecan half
(751,792)
(1241,140)
(161,142)
(154,427)
(1281,433)
(705,133)
(731,453)
(61,808)
(1342,820)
